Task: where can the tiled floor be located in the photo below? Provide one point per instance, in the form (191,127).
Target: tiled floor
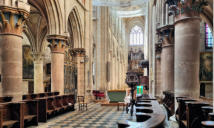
(95,117)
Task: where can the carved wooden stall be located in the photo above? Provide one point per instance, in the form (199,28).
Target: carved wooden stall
(191,112)
(149,114)
(34,108)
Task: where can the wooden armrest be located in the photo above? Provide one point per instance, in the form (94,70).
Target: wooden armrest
(9,122)
(184,122)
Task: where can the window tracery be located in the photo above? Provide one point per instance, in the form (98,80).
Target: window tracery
(136,36)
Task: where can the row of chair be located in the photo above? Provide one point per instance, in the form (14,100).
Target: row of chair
(191,112)
(32,110)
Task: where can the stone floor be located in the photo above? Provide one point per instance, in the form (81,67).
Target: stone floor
(97,116)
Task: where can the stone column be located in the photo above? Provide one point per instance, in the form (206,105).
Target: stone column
(187,50)
(158,87)
(38,73)
(11,23)
(57,45)
(167,57)
(79,54)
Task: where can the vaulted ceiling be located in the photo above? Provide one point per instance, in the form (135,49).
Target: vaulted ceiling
(125,8)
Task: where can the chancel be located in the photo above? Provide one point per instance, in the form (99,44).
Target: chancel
(106,64)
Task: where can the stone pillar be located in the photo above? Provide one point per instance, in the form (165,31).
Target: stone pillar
(11,23)
(158,87)
(57,45)
(38,73)
(187,51)
(79,54)
(167,57)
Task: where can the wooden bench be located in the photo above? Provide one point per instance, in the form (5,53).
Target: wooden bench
(194,114)
(169,103)
(177,110)
(190,112)
(41,95)
(5,99)
(182,120)
(46,108)
(58,106)
(149,114)
(30,112)
(11,115)
(50,106)
(67,106)
(71,101)
(47,94)
(206,110)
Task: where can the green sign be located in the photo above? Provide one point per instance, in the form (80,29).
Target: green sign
(140,89)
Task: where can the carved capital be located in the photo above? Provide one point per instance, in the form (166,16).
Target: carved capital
(167,35)
(38,57)
(188,7)
(12,20)
(80,52)
(57,43)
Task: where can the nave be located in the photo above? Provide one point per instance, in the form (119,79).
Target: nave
(154,58)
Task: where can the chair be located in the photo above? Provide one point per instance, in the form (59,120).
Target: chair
(81,102)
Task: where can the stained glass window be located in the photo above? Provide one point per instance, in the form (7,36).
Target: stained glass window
(208,37)
(136,36)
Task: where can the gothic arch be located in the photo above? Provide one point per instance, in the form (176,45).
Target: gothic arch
(75,29)
(55,18)
(51,10)
(207,16)
(30,36)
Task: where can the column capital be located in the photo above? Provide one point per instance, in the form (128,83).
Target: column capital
(167,35)
(78,52)
(38,57)
(13,16)
(57,43)
(187,8)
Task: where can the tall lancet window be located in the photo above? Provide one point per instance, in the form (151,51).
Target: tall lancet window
(208,37)
(136,36)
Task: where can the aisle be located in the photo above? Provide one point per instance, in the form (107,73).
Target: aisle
(96,117)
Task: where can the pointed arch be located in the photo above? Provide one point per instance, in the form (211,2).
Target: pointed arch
(207,16)
(75,29)
(30,36)
(55,17)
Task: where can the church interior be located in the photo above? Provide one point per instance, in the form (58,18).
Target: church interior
(106,64)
